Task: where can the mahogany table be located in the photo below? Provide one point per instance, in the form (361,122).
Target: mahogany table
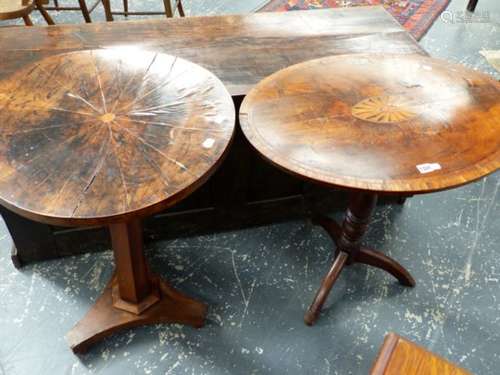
(107,137)
(373,124)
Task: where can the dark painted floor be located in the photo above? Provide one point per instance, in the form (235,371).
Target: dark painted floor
(258,282)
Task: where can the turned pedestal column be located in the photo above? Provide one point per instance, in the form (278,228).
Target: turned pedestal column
(348,249)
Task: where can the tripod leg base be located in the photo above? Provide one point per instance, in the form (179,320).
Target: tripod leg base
(104,319)
(377,259)
(348,250)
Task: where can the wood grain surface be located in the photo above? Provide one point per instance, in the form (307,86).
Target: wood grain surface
(241,50)
(392,123)
(399,356)
(101,136)
(103,319)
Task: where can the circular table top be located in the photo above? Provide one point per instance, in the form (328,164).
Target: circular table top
(100,136)
(400,123)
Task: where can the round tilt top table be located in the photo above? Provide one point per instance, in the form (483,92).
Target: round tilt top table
(396,124)
(107,137)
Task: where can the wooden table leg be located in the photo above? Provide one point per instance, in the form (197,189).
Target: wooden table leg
(133,297)
(349,250)
(325,288)
(377,259)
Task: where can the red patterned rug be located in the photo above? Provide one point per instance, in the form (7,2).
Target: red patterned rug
(417,16)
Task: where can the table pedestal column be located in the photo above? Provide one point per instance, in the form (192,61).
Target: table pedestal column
(349,250)
(134,296)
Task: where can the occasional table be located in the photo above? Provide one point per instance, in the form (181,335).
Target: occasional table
(375,125)
(107,137)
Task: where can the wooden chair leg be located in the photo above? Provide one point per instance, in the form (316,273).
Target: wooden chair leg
(27,20)
(56,3)
(181,8)
(85,11)
(471,6)
(168,8)
(125,7)
(107,10)
(44,13)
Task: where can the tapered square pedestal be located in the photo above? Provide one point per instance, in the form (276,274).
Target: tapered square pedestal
(133,297)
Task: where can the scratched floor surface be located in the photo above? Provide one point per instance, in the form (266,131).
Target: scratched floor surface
(259,281)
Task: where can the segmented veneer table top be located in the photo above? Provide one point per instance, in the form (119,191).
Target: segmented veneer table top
(102,135)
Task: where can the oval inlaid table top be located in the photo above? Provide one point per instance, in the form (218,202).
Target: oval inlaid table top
(98,136)
(377,123)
